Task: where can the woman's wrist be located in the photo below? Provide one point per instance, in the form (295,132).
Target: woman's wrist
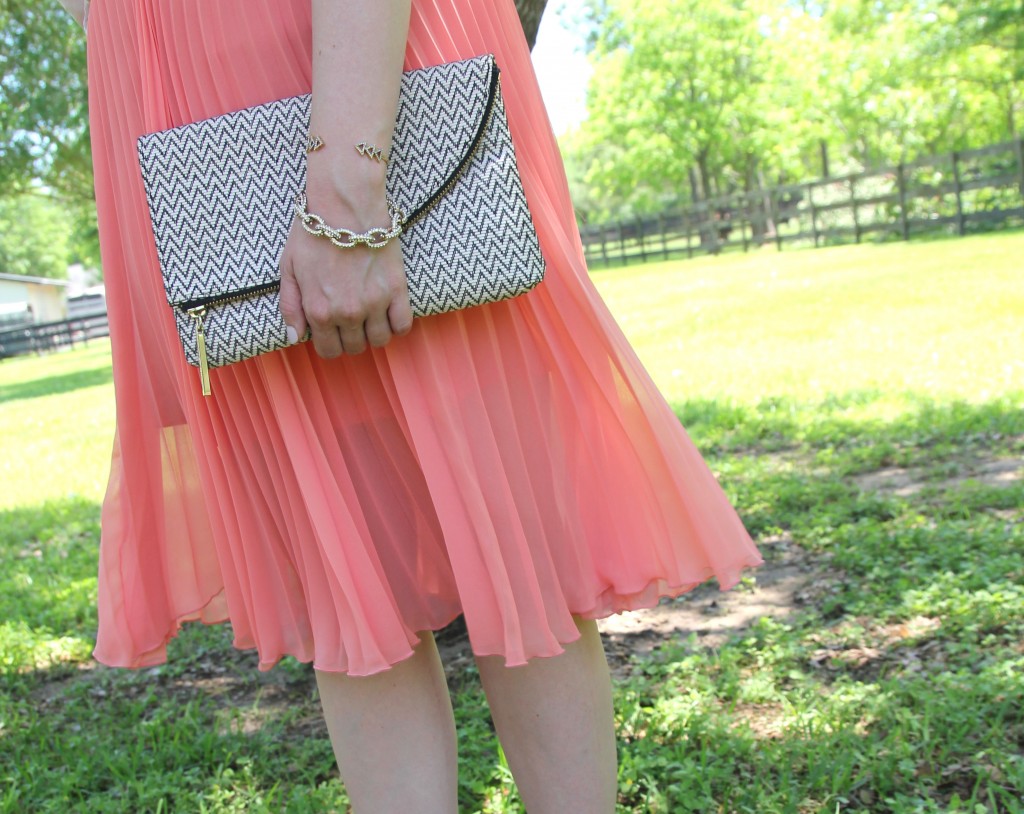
(358,55)
(345,195)
(343,164)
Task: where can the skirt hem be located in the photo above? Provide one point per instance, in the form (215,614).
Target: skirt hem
(608,604)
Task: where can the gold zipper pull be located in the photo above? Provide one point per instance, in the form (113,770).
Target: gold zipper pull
(204,369)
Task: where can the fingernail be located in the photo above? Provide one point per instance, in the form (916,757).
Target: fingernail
(291,334)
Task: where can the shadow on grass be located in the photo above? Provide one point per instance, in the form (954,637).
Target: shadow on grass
(215,735)
(780,422)
(755,727)
(766,722)
(48,555)
(56,385)
(207,730)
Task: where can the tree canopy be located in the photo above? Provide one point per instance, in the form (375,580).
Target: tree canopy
(46,180)
(690,99)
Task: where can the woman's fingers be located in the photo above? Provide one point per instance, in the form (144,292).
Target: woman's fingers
(378,329)
(353,338)
(291,304)
(400,314)
(350,300)
(324,326)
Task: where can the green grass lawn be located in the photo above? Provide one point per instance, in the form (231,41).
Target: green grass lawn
(58,413)
(941,318)
(896,688)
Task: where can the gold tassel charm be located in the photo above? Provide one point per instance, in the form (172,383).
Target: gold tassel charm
(204,368)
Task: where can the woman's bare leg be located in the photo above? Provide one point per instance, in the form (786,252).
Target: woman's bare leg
(393,735)
(555,723)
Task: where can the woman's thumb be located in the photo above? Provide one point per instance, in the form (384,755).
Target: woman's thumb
(291,305)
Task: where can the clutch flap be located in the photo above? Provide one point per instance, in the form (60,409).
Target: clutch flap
(221,190)
(443,112)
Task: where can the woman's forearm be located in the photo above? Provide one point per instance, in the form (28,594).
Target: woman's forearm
(358,52)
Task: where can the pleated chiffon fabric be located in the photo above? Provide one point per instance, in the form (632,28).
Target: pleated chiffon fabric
(513,462)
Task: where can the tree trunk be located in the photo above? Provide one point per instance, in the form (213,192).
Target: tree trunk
(530,12)
(753,213)
(709,230)
(1011,103)
(769,222)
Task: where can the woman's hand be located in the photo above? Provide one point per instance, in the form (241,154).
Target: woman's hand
(348,298)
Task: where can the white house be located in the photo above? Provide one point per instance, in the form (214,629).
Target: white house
(31,299)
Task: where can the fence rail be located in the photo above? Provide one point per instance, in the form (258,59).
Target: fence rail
(959,193)
(50,336)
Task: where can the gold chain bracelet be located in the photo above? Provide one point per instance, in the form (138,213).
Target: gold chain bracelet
(375,238)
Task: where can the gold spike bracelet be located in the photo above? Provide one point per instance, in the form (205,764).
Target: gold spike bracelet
(364,148)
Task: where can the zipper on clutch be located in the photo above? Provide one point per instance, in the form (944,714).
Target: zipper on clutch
(197,310)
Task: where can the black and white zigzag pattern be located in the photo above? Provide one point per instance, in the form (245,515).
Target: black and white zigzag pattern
(221,190)
(235,330)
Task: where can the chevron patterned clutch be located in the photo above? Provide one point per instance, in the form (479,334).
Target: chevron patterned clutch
(468,238)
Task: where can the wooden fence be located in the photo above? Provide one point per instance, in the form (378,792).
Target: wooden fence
(51,336)
(960,193)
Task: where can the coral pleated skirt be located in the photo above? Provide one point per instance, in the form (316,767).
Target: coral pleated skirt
(513,463)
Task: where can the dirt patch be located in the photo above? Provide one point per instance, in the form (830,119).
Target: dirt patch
(456,654)
(782,586)
(905,482)
(893,480)
(765,721)
(244,697)
(866,650)
(789,579)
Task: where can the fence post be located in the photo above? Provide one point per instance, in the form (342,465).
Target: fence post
(689,234)
(1018,148)
(664,241)
(853,206)
(622,243)
(776,213)
(814,213)
(713,230)
(640,238)
(957,189)
(902,182)
(745,222)
(604,244)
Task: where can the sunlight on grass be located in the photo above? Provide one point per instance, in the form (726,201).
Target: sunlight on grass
(941,317)
(22,648)
(57,421)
